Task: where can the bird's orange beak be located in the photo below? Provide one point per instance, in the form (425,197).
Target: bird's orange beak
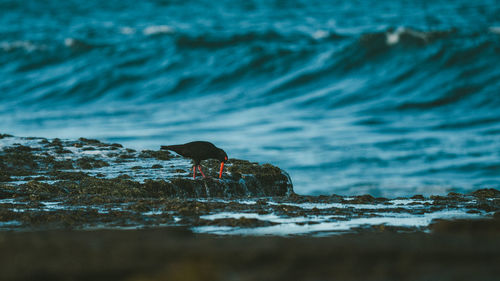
(221,168)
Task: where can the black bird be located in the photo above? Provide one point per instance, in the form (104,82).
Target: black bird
(199,150)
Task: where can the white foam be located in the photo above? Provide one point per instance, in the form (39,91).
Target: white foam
(152,213)
(11,201)
(397,203)
(495,29)
(158,29)
(127,30)
(9,223)
(320,34)
(69,42)
(24,45)
(393,37)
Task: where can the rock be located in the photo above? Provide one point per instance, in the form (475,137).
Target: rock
(43,159)
(467,226)
(486,193)
(241,222)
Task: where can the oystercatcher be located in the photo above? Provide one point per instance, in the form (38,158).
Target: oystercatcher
(199,150)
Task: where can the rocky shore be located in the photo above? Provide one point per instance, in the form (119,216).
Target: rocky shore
(86,184)
(83,209)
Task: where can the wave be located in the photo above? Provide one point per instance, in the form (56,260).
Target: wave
(27,46)
(292,67)
(78,44)
(217,41)
(339,94)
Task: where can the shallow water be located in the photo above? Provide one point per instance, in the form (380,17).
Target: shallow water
(385,98)
(328,225)
(299,218)
(414,215)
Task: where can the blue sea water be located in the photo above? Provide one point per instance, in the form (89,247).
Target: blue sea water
(350,97)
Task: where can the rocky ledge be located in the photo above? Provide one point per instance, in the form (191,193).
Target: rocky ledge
(40,168)
(86,184)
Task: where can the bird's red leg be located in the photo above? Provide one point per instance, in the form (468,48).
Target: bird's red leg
(199,168)
(194,172)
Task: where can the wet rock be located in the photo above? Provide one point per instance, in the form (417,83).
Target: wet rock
(487,205)
(141,206)
(467,226)
(125,156)
(64,175)
(88,163)
(261,202)
(4,177)
(156,154)
(4,193)
(116,145)
(56,142)
(18,160)
(439,198)
(60,150)
(486,193)
(90,141)
(89,148)
(382,228)
(496,215)
(241,222)
(35,187)
(148,197)
(363,199)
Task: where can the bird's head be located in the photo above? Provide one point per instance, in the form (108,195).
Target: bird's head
(222,157)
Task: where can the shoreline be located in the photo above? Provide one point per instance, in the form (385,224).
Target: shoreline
(85,184)
(80,210)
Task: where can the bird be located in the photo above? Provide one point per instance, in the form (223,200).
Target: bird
(199,150)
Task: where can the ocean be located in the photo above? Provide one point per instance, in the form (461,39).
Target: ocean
(389,98)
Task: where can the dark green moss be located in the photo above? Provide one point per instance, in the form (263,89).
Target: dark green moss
(89,148)
(159,188)
(241,222)
(141,206)
(124,177)
(126,156)
(486,193)
(119,188)
(18,161)
(366,199)
(90,141)
(156,154)
(56,142)
(248,179)
(91,163)
(60,150)
(73,176)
